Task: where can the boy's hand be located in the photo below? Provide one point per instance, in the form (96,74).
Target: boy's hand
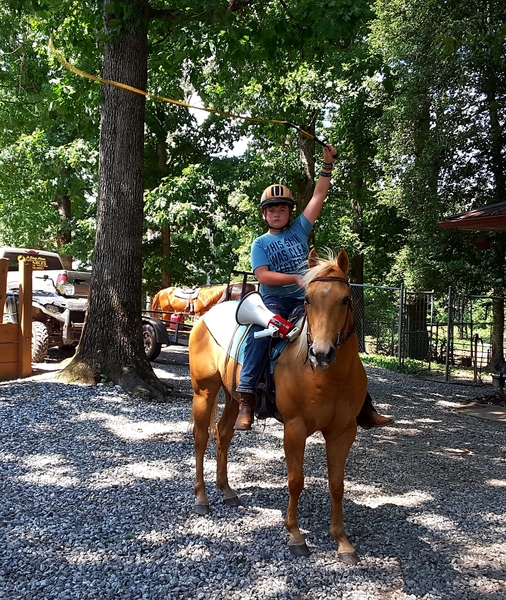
(329,153)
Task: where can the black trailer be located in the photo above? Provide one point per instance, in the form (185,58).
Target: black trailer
(158,332)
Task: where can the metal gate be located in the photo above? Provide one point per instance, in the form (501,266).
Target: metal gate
(451,333)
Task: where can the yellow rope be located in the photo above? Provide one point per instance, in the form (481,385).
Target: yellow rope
(58,55)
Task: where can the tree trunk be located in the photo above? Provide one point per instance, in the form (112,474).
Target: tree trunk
(63,235)
(356,271)
(497,338)
(305,184)
(491,84)
(111,346)
(166,278)
(161,151)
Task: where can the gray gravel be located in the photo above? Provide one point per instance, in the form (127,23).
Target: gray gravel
(96,500)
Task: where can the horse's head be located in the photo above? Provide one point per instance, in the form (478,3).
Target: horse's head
(328,307)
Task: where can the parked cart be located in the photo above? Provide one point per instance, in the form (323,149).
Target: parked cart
(159,332)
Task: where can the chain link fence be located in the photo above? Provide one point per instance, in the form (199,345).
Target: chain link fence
(450,334)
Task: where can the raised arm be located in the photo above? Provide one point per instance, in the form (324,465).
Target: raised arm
(314,206)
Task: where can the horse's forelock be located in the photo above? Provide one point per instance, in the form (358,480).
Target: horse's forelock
(326,267)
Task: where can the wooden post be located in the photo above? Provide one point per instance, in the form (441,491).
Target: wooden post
(25,319)
(4,267)
(9,332)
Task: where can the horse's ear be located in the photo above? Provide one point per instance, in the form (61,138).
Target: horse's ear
(343,261)
(313,258)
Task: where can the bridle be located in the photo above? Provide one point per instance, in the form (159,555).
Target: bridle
(343,335)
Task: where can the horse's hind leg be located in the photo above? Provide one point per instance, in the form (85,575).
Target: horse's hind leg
(203,408)
(338,447)
(224,434)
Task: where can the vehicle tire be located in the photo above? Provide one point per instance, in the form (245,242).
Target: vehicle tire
(151,346)
(40,342)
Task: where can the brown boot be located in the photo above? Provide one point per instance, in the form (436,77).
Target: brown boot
(368,418)
(246,412)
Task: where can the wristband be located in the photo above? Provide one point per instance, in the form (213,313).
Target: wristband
(325,174)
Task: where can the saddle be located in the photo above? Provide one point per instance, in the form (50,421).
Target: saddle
(266,390)
(266,394)
(189,295)
(230,336)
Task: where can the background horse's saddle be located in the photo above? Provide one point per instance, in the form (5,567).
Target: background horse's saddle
(186,293)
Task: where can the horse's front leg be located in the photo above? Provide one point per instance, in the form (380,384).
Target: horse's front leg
(224,434)
(295,434)
(337,447)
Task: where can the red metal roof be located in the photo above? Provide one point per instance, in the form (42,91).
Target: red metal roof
(489,218)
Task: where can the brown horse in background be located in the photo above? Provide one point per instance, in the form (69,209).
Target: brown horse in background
(320,386)
(197,301)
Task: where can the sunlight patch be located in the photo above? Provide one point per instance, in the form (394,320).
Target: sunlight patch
(434,522)
(48,469)
(127,429)
(373,497)
(458,451)
(500,483)
(163,374)
(139,470)
(269,454)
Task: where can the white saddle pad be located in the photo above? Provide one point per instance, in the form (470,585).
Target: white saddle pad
(220,321)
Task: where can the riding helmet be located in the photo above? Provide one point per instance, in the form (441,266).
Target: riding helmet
(276,194)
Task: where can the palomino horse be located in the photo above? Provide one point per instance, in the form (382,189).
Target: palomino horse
(320,386)
(197,301)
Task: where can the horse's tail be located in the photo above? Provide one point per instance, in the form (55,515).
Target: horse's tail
(155,304)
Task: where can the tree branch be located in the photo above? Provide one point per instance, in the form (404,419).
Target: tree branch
(238,5)
(164,14)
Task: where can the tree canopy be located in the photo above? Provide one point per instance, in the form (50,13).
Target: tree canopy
(412,95)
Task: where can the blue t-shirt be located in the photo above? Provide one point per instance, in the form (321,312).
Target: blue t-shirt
(284,252)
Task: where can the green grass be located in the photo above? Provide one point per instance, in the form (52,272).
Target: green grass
(411,367)
(419,368)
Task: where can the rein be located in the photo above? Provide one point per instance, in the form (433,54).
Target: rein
(343,336)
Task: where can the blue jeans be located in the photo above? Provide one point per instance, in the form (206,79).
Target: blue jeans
(256,351)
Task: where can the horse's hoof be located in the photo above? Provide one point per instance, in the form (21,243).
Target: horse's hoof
(201,509)
(348,558)
(233,501)
(299,549)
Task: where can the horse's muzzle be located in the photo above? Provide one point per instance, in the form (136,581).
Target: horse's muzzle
(322,360)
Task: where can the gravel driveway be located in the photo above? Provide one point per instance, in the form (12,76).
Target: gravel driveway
(96,500)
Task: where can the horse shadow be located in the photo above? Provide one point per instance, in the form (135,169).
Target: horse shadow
(408,530)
